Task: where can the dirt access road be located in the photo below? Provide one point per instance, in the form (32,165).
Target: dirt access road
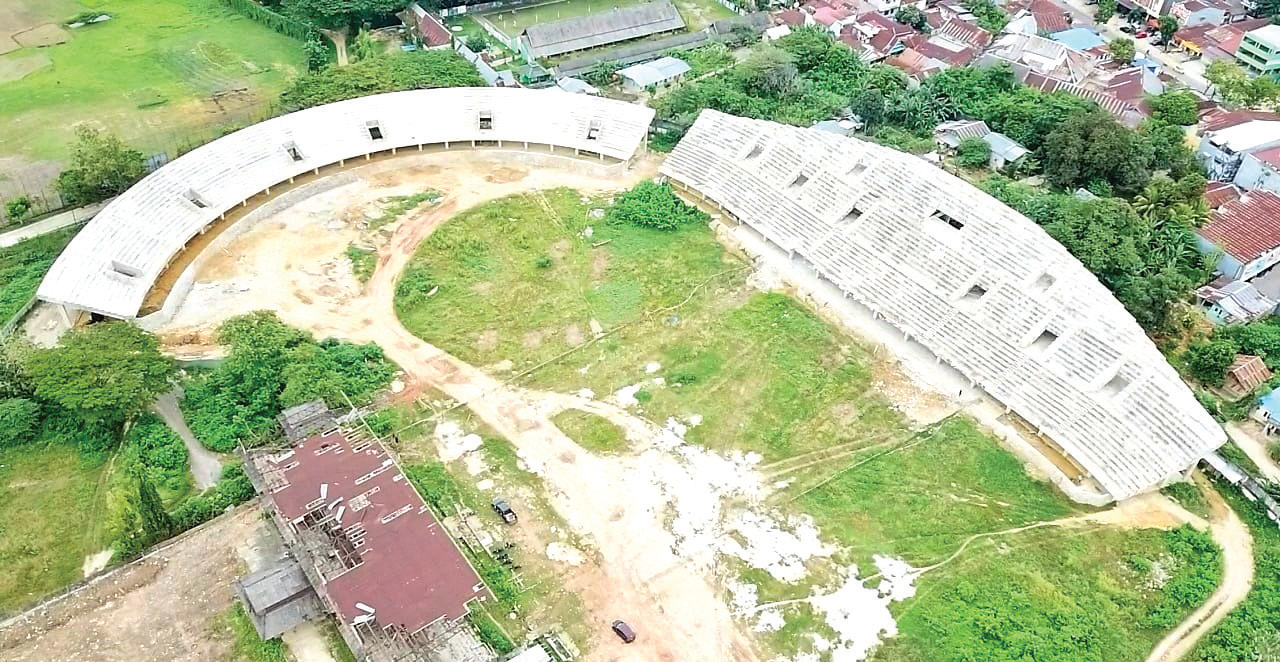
(164,607)
(638,576)
(1233,537)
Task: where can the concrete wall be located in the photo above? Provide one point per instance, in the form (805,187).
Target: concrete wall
(1254,175)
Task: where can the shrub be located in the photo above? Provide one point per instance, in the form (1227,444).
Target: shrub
(489,632)
(973,153)
(477,42)
(543,262)
(410,71)
(436,486)
(17,208)
(1208,361)
(101,166)
(651,205)
(19,421)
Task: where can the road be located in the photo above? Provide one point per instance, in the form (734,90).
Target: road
(1192,71)
(55,222)
(1255,449)
(206,468)
(1233,537)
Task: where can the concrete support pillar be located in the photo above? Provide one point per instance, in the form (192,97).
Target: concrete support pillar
(393,151)
(419,147)
(66,317)
(367,156)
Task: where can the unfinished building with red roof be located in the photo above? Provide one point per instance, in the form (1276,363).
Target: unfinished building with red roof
(370,545)
(1247,231)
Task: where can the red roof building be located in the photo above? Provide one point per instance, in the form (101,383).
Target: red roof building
(1217,194)
(431,31)
(1215,42)
(1248,231)
(386,561)
(1219,118)
(789,17)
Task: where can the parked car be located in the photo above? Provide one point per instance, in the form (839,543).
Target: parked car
(1127,29)
(1141,34)
(504,510)
(624,632)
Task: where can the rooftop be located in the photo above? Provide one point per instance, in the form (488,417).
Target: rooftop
(1217,194)
(598,29)
(658,71)
(1268,34)
(1081,39)
(1247,227)
(392,564)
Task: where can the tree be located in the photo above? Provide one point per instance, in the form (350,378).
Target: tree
(156,525)
(108,372)
(990,17)
(410,71)
(769,72)
(973,153)
(868,105)
(340,14)
(363,47)
(651,205)
(601,73)
(317,54)
(910,15)
(478,43)
(1177,107)
(1168,26)
(16,209)
(1208,361)
(19,420)
(1122,50)
(1235,87)
(1093,148)
(101,167)
(1106,9)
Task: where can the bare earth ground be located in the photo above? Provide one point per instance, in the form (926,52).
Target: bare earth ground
(293,263)
(1251,440)
(161,608)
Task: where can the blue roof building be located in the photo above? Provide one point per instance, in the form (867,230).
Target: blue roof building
(1270,405)
(1080,39)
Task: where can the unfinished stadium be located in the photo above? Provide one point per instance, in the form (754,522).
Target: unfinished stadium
(980,286)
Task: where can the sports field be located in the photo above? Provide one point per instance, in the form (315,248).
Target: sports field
(158,73)
(697,13)
(685,336)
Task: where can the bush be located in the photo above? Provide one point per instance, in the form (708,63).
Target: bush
(19,421)
(489,632)
(435,485)
(376,75)
(17,208)
(477,43)
(101,166)
(973,153)
(1208,361)
(656,206)
(233,489)
(543,262)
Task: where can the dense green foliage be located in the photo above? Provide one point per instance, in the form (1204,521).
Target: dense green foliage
(1208,361)
(152,445)
(270,367)
(1092,150)
(1145,253)
(1237,88)
(232,490)
(409,71)
(339,14)
(23,265)
(1177,107)
(107,372)
(490,633)
(19,421)
(102,166)
(435,485)
(911,15)
(302,30)
(650,205)
(1122,49)
(990,16)
(1196,576)
(16,208)
(1241,636)
(973,153)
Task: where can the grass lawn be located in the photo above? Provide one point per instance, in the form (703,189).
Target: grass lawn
(590,431)
(46,498)
(697,14)
(519,279)
(146,74)
(23,265)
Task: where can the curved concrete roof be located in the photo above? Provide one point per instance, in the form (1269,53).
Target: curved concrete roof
(981,286)
(111,265)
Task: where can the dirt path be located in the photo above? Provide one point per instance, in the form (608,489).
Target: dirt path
(1233,537)
(1255,449)
(164,607)
(206,468)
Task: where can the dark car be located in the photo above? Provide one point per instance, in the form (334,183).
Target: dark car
(624,632)
(504,510)
(1126,29)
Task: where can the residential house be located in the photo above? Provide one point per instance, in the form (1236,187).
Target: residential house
(576,86)
(954,44)
(1004,150)
(1036,17)
(1217,194)
(1260,170)
(841,127)
(427,27)
(1246,373)
(1079,39)
(1126,112)
(1191,13)
(776,32)
(874,36)
(1227,302)
(1247,232)
(949,135)
(1028,53)
(1225,137)
(792,18)
(1154,8)
(1259,51)
(1215,42)
(649,75)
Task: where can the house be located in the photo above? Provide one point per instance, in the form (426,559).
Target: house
(841,127)
(1028,53)
(599,29)
(1259,51)
(915,64)
(1215,42)
(777,32)
(1191,13)
(1247,231)
(1260,170)
(1004,150)
(1222,150)
(1036,17)
(658,73)
(964,32)
(1227,302)
(576,86)
(278,598)
(427,27)
(1080,39)
(1269,408)
(949,135)
(1154,8)
(1217,194)
(793,18)
(1246,374)
(1126,112)
(874,36)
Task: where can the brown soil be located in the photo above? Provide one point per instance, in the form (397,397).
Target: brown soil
(17,68)
(44,35)
(164,607)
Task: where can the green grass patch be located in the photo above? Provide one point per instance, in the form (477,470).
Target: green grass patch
(247,646)
(1188,496)
(590,431)
(115,72)
(393,207)
(490,632)
(338,648)
(363,262)
(50,509)
(23,265)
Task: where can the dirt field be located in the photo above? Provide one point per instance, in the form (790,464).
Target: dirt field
(163,608)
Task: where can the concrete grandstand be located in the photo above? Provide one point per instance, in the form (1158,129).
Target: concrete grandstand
(980,286)
(114,262)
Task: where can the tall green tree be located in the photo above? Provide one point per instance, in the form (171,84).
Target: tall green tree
(1174,107)
(339,14)
(156,525)
(909,15)
(1208,361)
(1168,26)
(1122,50)
(106,373)
(19,421)
(1106,9)
(1093,148)
(101,167)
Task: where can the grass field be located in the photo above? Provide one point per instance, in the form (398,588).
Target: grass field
(24,264)
(46,497)
(764,374)
(147,74)
(697,14)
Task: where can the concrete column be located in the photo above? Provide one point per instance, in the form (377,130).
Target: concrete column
(62,312)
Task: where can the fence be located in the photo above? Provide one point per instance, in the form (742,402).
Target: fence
(12,324)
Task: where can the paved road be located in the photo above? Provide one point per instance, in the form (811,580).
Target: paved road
(55,222)
(1192,71)
(205,466)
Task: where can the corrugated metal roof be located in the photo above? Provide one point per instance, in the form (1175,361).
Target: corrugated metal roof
(1247,227)
(1006,147)
(651,73)
(607,27)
